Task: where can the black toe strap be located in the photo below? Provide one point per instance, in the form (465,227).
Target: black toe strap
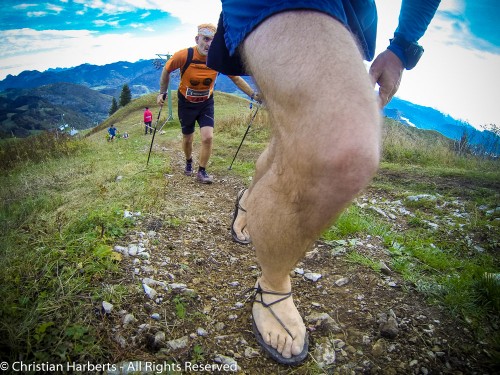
(259,290)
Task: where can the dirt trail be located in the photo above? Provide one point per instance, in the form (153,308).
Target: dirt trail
(214,317)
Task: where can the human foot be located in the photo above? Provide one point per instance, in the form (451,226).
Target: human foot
(238,225)
(278,326)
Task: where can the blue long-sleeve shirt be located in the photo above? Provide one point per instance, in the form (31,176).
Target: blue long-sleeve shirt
(414,18)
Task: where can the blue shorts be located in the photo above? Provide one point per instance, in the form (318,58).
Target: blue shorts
(239,18)
(189,113)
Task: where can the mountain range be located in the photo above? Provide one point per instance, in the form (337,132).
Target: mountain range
(428,118)
(36,100)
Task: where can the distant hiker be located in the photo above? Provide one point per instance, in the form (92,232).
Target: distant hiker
(148,120)
(125,135)
(307,59)
(112,132)
(195,97)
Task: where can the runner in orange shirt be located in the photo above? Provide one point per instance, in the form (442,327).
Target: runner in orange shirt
(195,97)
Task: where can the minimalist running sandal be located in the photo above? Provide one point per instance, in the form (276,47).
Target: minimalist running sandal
(273,353)
(237,208)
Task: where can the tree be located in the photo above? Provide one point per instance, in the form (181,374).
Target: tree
(125,96)
(114,107)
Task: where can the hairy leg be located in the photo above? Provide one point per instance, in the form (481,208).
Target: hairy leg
(325,149)
(207,134)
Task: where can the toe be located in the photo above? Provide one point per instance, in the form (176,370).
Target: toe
(297,345)
(284,347)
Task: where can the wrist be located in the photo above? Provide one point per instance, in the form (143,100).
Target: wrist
(408,52)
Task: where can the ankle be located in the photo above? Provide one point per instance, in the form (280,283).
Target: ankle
(281,286)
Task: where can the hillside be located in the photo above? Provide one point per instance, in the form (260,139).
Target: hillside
(23,111)
(429,118)
(109,261)
(143,78)
(34,101)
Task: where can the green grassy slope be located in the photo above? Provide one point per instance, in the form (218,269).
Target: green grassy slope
(62,209)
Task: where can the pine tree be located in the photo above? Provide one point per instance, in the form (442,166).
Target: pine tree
(125,96)
(114,107)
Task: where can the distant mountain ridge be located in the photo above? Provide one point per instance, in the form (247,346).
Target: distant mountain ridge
(24,111)
(428,118)
(34,100)
(143,77)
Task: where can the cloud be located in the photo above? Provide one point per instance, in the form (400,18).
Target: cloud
(102,23)
(457,73)
(206,11)
(54,8)
(29,49)
(191,12)
(23,42)
(36,14)
(456,28)
(113,7)
(24,6)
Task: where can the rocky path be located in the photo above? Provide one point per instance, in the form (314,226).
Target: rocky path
(188,280)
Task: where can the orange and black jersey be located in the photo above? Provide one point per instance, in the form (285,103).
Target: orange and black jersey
(197,81)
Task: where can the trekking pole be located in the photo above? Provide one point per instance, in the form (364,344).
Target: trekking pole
(248,128)
(154,131)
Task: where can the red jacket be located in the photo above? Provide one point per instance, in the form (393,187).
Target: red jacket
(148,116)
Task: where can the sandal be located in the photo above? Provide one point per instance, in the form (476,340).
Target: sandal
(272,352)
(237,208)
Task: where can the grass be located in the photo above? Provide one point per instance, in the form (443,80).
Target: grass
(63,203)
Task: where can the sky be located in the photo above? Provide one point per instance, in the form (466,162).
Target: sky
(459,73)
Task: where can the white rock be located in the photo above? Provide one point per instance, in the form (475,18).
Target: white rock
(151,293)
(152,282)
(233,365)
(180,343)
(341,282)
(177,286)
(129,318)
(107,307)
(299,271)
(201,332)
(312,276)
(121,249)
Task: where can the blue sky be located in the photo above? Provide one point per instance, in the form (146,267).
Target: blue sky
(459,73)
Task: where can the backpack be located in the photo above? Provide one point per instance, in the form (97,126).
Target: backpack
(190,60)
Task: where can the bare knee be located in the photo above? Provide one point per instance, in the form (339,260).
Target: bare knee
(335,166)
(207,140)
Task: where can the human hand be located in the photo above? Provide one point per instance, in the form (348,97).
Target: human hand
(160,99)
(386,71)
(257,97)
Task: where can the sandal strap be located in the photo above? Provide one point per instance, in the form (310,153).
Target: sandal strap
(238,205)
(259,290)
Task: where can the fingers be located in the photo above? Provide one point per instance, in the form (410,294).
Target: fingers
(386,71)
(160,99)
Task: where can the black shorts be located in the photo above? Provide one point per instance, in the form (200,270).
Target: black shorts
(189,113)
(239,18)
